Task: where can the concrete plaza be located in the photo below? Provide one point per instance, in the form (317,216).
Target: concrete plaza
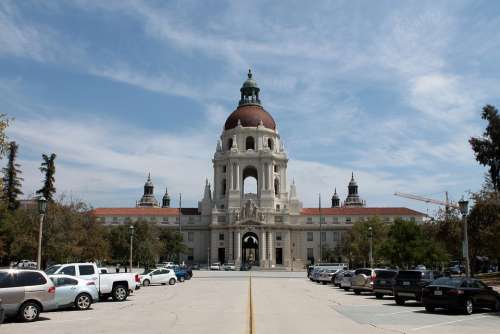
(268,302)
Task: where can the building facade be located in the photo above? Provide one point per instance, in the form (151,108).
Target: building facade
(267,227)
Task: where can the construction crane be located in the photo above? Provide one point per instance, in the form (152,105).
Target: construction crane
(446,203)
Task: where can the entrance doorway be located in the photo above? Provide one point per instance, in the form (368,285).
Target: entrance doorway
(279,255)
(222,255)
(250,249)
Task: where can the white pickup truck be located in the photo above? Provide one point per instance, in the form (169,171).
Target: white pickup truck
(117,286)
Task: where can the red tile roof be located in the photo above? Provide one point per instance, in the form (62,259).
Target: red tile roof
(360,212)
(144,211)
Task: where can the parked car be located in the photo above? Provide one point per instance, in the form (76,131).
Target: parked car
(26,264)
(26,293)
(346,280)
(384,282)
(245,267)
(326,276)
(215,266)
(316,273)
(181,274)
(363,280)
(74,292)
(230,266)
(309,271)
(2,313)
(409,284)
(195,266)
(158,276)
(166,264)
(459,293)
(116,285)
(338,278)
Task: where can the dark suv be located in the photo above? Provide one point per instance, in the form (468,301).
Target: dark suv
(409,284)
(383,284)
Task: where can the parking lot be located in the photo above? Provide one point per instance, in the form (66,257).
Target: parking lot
(277,302)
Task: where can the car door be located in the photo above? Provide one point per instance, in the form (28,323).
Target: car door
(155,276)
(11,294)
(87,272)
(67,270)
(66,289)
(485,296)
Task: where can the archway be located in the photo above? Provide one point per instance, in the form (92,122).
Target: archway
(250,248)
(250,181)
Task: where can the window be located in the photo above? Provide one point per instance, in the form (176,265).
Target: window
(190,236)
(68,270)
(412,219)
(250,143)
(323,236)
(223,187)
(310,236)
(224,168)
(276,187)
(336,236)
(229,143)
(309,220)
(278,207)
(30,278)
(387,219)
(221,236)
(276,168)
(61,281)
(115,220)
(278,236)
(190,220)
(153,219)
(190,254)
(335,220)
(348,219)
(86,269)
(310,254)
(270,143)
(7,279)
(322,220)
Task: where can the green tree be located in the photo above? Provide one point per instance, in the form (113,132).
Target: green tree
(487,148)
(359,240)
(48,168)
(11,179)
(171,244)
(147,245)
(118,238)
(4,145)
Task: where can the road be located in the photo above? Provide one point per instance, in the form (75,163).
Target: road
(268,302)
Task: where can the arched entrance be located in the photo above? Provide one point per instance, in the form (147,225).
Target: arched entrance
(250,181)
(250,249)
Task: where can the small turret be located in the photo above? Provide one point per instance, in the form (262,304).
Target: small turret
(353,198)
(148,199)
(335,200)
(165,203)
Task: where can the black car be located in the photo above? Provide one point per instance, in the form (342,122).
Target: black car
(384,282)
(2,313)
(460,293)
(409,284)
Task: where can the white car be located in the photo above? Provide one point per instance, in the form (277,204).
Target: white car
(215,266)
(26,264)
(115,285)
(74,292)
(230,266)
(158,276)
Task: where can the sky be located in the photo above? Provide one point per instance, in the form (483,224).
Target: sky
(389,90)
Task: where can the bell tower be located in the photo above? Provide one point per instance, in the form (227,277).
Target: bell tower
(250,148)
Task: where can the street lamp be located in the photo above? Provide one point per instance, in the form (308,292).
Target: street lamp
(370,235)
(464,208)
(131,229)
(42,210)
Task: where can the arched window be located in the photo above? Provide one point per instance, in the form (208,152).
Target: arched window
(224,187)
(229,143)
(276,187)
(250,143)
(270,143)
(250,180)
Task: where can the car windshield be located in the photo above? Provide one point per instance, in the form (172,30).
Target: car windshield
(448,281)
(52,270)
(147,271)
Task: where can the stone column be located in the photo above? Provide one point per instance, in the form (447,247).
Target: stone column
(238,247)
(288,249)
(262,248)
(230,255)
(271,241)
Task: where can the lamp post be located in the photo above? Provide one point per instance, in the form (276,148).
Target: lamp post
(464,208)
(370,235)
(42,210)
(131,229)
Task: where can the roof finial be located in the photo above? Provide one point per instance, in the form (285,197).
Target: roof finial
(249,74)
(352,175)
(149,176)
(335,193)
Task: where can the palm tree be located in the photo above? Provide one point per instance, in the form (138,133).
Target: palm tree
(48,168)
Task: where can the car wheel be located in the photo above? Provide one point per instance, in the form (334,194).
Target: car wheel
(171,281)
(146,282)
(496,308)
(188,277)
(399,300)
(324,283)
(357,292)
(379,296)
(346,289)
(83,301)
(29,312)
(181,279)
(469,306)
(119,293)
(429,308)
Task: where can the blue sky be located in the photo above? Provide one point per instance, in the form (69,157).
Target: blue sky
(117,89)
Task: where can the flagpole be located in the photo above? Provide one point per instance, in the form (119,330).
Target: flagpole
(320,230)
(180,228)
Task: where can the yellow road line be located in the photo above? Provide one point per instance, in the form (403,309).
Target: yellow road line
(251,324)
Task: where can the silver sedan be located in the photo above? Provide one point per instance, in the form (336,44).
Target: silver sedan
(74,292)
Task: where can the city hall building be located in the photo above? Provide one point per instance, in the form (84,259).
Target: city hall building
(269,228)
